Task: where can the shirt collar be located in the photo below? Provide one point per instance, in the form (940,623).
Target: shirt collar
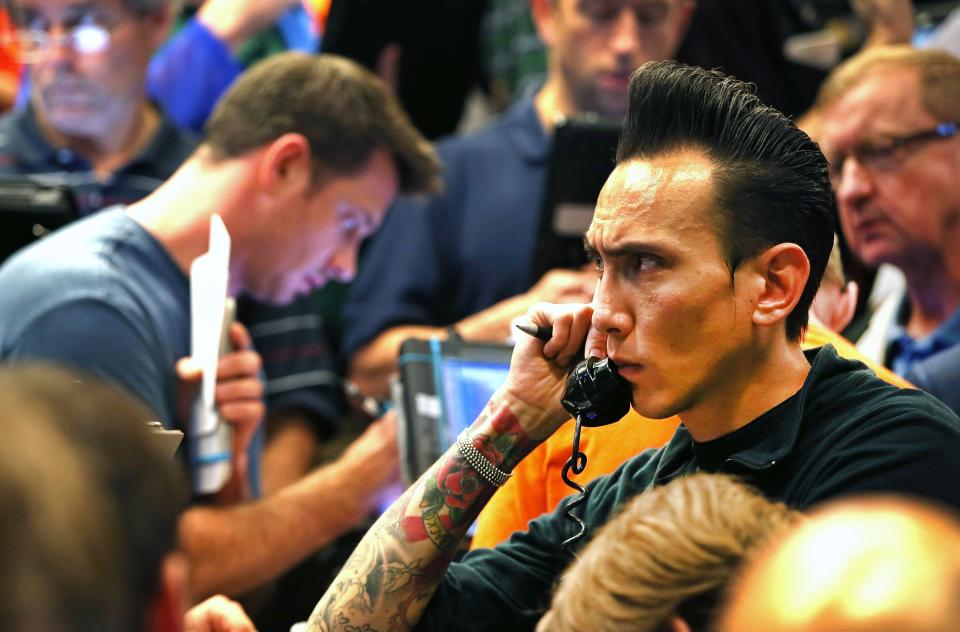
(763,442)
(904,351)
(35,153)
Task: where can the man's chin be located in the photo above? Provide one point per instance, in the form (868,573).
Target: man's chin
(647,407)
(75,122)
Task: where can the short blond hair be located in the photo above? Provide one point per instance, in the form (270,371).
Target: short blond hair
(938,71)
(834,273)
(668,546)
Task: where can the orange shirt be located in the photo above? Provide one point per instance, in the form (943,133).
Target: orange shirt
(536,486)
(9,64)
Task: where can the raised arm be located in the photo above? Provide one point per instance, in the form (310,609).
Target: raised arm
(396,568)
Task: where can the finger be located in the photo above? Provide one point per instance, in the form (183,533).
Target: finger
(596,344)
(240,466)
(239,364)
(239,337)
(388,423)
(239,389)
(197,620)
(561,334)
(188,369)
(578,334)
(245,417)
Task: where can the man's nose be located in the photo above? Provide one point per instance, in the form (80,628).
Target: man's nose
(625,36)
(343,266)
(856,181)
(610,315)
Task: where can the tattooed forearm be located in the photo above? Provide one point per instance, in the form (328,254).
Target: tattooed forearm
(391,576)
(500,437)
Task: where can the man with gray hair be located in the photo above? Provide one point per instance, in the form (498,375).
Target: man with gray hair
(89,124)
(889,127)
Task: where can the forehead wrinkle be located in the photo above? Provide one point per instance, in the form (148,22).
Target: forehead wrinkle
(882,104)
(651,197)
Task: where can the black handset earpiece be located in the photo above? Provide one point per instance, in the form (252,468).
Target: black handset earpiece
(596,396)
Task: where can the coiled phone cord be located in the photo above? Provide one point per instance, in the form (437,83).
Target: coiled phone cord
(577,462)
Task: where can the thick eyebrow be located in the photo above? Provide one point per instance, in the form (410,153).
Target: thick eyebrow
(621,250)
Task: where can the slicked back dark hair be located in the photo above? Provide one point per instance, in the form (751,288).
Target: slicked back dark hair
(770,179)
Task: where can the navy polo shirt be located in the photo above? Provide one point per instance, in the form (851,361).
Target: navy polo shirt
(24,151)
(438,260)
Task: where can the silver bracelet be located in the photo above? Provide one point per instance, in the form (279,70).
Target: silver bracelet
(487,470)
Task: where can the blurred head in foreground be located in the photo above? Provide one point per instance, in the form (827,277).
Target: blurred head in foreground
(877,564)
(663,562)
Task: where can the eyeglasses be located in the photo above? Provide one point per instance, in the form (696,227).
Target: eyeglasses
(891,155)
(85,31)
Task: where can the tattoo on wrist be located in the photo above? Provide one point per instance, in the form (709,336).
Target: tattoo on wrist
(391,576)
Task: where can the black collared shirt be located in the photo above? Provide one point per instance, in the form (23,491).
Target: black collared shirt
(844,432)
(24,151)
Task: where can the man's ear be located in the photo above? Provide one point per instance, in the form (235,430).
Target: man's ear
(169,603)
(784,270)
(675,624)
(285,166)
(543,13)
(834,307)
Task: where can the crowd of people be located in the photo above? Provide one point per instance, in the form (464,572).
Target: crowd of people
(781,298)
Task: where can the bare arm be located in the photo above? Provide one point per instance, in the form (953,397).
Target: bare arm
(235,21)
(372,365)
(290,449)
(396,568)
(236,548)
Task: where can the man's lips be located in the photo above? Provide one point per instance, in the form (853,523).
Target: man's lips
(872,227)
(615,80)
(70,98)
(626,367)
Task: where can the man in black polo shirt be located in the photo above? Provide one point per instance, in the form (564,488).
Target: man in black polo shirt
(89,124)
(710,238)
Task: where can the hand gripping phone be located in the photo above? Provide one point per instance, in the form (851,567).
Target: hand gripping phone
(595,395)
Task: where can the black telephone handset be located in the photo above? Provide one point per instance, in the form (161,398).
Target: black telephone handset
(596,396)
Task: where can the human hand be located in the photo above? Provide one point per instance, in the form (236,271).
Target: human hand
(563,285)
(239,398)
(886,21)
(538,369)
(218,614)
(375,459)
(235,21)
(375,454)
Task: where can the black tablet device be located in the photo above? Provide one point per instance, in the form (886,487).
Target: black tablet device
(443,387)
(30,210)
(581,159)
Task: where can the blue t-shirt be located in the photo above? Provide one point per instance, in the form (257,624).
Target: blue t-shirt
(104,296)
(464,249)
